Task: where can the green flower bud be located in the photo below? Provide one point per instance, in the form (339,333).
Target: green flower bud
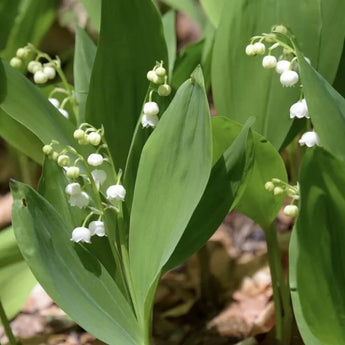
(79,134)
(63,160)
(15,62)
(278,191)
(54,156)
(73,172)
(164,90)
(160,71)
(23,53)
(47,149)
(269,186)
(281,29)
(83,141)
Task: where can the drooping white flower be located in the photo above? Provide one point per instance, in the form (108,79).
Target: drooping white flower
(94,138)
(250,50)
(64,113)
(289,78)
(80,200)
(72,172)
(164,90)
(34,66)
(81,234)
(259,48)
(50,72)
(269,61)
(95,159)
(55,102)
(40,77)
(149,121)
(117,192)
(299,110)
(282,66)
(97,228)
(99,176)
(309,139)
(291,210)
(73,189)
(151,108)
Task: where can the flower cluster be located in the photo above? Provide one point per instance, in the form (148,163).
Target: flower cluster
(279,187)
(159,83)
(86,177)
(287,67)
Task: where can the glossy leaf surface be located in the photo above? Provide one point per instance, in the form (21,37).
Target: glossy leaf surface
(173,172)
(72,275)
(131,41)
(317,274)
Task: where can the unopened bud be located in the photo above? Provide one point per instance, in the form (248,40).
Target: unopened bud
(15,62)
(47,149)
(94,138)
(291,210)
(72,172)
(164,90)
(160,71)
(63,160)
(78,134)
(269,186)
(278,191)
(34,66)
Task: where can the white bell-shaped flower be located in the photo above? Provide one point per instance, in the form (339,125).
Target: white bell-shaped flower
(282,66)
(95,159)
(149,121)
(151,108)
(50,72)
(97,228)
(99,176)
(289,78)
(40,77)
(81,234)
(80,200)
(73,189)
(94,138)
(269,61)
(117,192)
(64,113)
(250,50)
(291,210)
(309,139)
(55,102)
(299,110)
(259,48)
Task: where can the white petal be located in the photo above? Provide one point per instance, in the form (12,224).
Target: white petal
(73,189)
(97,228)
(99,176)
(282,66)
(151,108)
(55,102)
(81,234)
(95,159)
(117,192)
(79,200)
(289,78)
(149,121)
(309,139)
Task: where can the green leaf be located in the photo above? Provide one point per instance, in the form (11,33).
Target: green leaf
(253,200)
(84,57)
(213,9)
(20,137)
(317,276)
(73,276)
(34,19)
(93,8)
(8,12)
(241,87)
(173,172)
(227,175)
(22,101)
(326,107)
(190,8)
(169,27)
(131,41)
(16,279)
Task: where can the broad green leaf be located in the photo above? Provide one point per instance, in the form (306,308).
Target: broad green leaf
(213,9)
(188,59)
(173,172)
(190,8)
(35,17)
(131,41)
(93,8)
(84,57)
(253,200)
(22,101)
(8,12)
(69,272)
(241,87)
(226,177)
(317,275)
(20,137)
(326,107)
(16,279)
(169,27)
